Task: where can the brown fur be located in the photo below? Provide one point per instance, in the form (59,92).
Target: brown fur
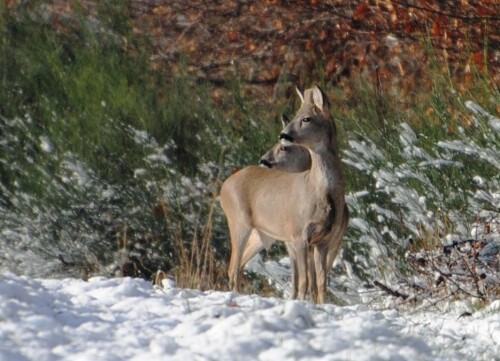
(306,210)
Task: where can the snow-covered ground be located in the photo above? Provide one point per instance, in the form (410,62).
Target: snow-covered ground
(129,319)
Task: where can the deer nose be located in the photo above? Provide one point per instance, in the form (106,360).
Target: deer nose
(287,137)
(265,163)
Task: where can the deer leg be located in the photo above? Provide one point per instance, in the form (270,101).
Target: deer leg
(256,243)
(334,247)
(333,251)
(313,291)
(320,265)
(239,238)
(301,253)
(293,269)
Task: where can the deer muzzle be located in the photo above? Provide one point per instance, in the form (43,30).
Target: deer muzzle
(286,137)
(265,163)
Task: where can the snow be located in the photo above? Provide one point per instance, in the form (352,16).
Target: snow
(493,121)
(129,319)
(45,144)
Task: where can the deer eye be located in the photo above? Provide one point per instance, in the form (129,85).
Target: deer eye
(306,119)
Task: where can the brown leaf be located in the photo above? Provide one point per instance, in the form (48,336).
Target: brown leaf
(251,46)
(324,35)
(436,28)
(233,36)
(360,12)
(478,60)
(484,11)
(408,28)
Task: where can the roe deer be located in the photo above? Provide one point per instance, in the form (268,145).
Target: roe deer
(290,158)
(294,158)
(306,210)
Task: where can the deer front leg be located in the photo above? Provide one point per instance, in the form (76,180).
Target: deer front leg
(293,270)
(321,270)
(313,290)
(302,263)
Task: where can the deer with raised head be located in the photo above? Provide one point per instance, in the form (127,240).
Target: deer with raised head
(290,158)
(305,210)
(294,158)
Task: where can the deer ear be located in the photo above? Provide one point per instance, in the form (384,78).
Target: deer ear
(308,96)
(320,100)
(284,120)
(299,93)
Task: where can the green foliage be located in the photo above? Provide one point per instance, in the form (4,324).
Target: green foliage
(107,163)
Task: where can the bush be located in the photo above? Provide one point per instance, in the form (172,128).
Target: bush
(109,166)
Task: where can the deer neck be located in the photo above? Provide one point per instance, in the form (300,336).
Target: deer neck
(325,182)
(325,174)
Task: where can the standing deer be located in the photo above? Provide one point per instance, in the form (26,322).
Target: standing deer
(306,210)
(294,158)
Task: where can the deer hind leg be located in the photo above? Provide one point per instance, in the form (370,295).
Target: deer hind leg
(333,251)
(239,238)
(256,243)
(334,246)
(321,270)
